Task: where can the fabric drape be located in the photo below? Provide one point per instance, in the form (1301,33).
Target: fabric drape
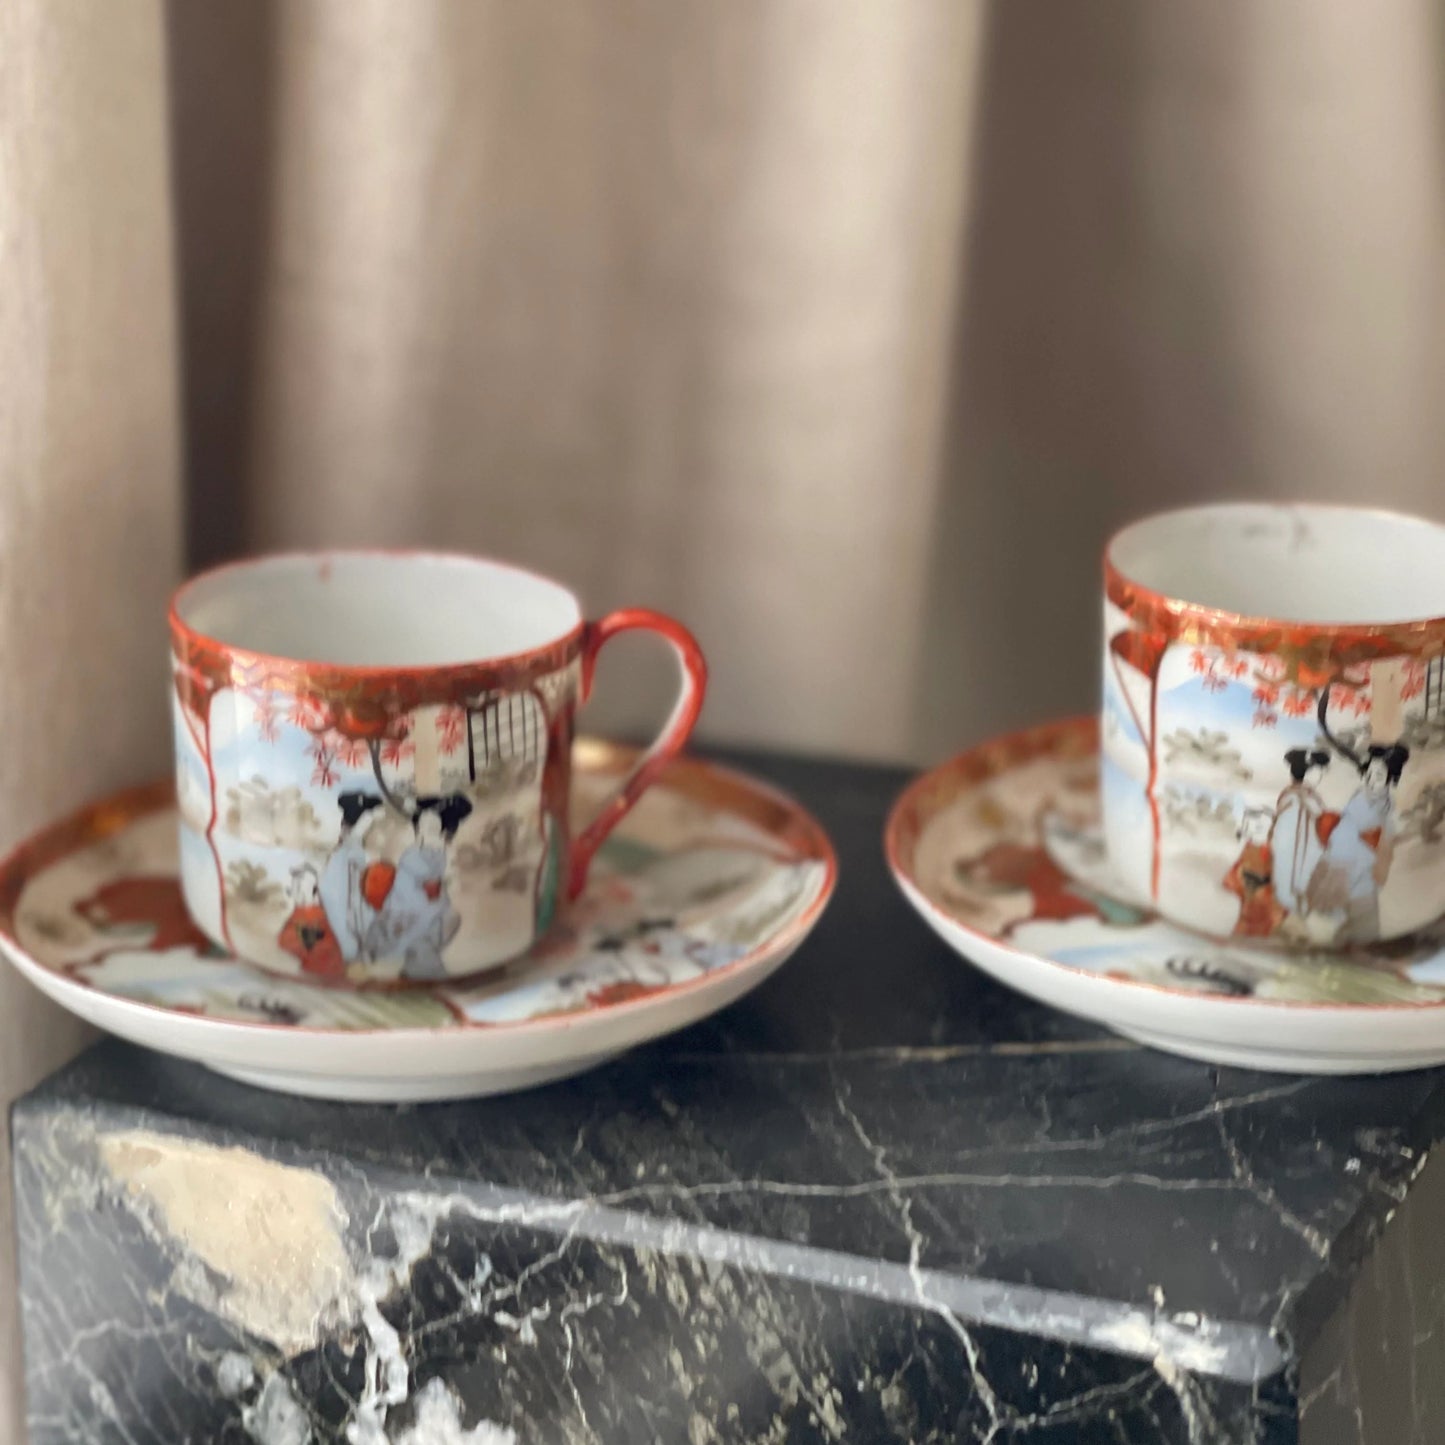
(90,506)
(846,331)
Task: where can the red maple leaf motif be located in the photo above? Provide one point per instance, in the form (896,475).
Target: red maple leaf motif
(1199,660)
(1414,683)
(396,750)
(307,713)
(324,773)
(266,722)
(351,752)
(1298,704)
(1358,703)
(1236,667)
(451,728)
(1264,717)
(1214,683)
(1267,693)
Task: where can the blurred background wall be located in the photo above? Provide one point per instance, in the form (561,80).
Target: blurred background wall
(90,501)
(845,329)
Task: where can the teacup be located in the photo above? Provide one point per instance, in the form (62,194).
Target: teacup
(1273,732)
(373,759)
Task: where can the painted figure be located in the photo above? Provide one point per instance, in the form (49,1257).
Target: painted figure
(1356,860)
(414,917)
(1296,841)
(1251,879)
(307,933)
(347,909)
(1360,846)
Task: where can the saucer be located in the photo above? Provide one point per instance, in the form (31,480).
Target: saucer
(705,889)
(1000,851)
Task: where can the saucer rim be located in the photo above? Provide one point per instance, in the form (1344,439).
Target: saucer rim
(696,778)
(985,762)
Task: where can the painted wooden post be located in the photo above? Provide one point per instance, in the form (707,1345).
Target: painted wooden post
(427,760)
(1387,702)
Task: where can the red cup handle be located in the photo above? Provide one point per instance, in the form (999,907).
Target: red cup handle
(670,741)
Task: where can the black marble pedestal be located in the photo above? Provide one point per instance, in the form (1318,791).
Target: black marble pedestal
(882,1199)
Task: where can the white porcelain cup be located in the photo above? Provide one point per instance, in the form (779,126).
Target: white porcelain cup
(373,759)
(1273,726)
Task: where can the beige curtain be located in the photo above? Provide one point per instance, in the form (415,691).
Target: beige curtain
(89,458)
(845,329)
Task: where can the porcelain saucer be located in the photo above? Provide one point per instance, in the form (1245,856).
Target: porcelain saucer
(705,889)
(1000,851)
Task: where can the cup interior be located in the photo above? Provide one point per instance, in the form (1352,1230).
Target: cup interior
(1318,564)
(376,609)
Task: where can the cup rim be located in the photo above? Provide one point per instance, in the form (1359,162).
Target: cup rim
(1127,593)
(553,652)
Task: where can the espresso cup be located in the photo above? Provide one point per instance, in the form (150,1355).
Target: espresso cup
(1273,727)
(373,759)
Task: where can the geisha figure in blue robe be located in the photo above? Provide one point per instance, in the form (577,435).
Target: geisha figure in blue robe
(416,919)
(1356,861)
(347,910)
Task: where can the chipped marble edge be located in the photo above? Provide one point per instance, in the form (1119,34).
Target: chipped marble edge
(1231,1351)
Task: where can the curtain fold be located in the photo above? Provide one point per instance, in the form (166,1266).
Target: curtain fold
(848,332)
(89,493)
(654,296)
(1207,261)
(845,331)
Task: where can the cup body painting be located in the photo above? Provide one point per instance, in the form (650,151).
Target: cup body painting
(373,759)
(1273,754)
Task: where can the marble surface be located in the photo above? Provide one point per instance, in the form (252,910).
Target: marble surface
(881,1199)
